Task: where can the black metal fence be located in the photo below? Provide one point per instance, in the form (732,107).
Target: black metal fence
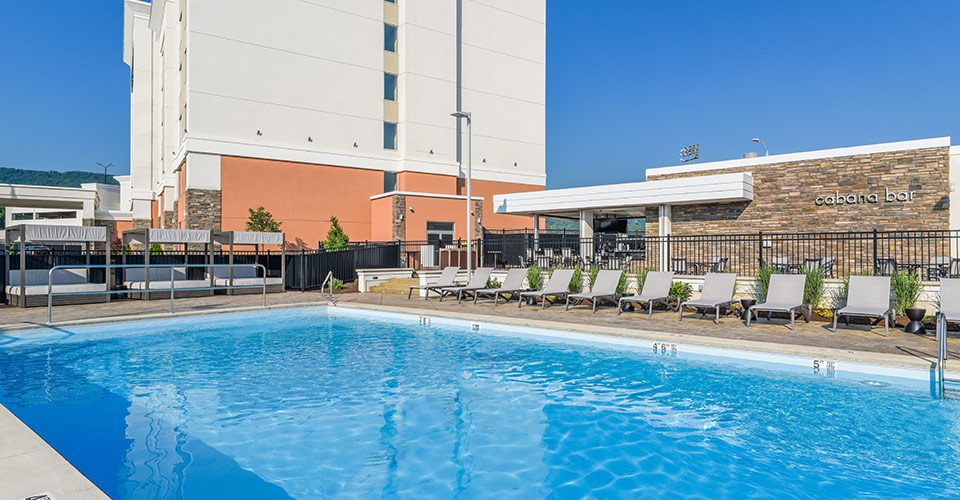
(931,254)
(306,270)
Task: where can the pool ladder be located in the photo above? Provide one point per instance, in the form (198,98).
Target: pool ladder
(328,282)
(946,388)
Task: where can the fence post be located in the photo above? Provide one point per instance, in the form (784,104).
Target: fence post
(303,270)
(875,254)
(760,249)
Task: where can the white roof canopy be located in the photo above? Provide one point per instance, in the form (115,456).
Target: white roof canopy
(248,238)
(628,198)
(152,235)
(51,233)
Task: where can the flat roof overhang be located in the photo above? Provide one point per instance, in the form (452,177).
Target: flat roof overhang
(628,199)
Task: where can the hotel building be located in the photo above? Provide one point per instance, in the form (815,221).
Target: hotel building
(320,108)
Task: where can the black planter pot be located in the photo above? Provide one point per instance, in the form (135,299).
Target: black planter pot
(531,301)
(915,315)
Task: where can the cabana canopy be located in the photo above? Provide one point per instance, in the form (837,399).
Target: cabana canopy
(248,238)
(146,236)
(48,233)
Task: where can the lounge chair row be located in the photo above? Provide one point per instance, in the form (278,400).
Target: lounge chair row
(868,296)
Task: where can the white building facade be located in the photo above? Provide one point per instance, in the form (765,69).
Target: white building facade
(310,108)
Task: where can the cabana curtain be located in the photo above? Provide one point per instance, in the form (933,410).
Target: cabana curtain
(170,236)
(38,233)
(255,238)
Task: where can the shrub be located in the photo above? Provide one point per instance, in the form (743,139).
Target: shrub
(156,249)
(814,288)
(535,277)
(641,277)
(681,290)
(762,284)
(336,284)
(594,270)
(906,291)
(336,237)
(622,283)
(493,282)
(262,221)
(576,282)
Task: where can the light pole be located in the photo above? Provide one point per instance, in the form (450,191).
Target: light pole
(765,151)
(105,167)
(469,232)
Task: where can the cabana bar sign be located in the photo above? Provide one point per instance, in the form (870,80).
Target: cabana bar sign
(888,196)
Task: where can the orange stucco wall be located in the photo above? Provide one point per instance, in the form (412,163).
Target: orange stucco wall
(181,206)
(487,189)
(302,196)
(381,217)
(434,210)
(426,183)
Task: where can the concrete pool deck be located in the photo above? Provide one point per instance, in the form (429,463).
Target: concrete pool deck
(29,466)
(856,340)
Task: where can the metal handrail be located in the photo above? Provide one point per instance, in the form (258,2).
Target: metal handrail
(328,281)
(173,290)
(941,351)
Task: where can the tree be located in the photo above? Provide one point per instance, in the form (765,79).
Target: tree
(263,221)
(336,237)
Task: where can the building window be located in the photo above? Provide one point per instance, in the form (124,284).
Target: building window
(390,86)
(56,215)
(389,182)
(22,216)
(390,1)
(389,135)
(389,37)
(439,234)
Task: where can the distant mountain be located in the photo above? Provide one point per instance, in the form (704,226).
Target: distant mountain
(72,178)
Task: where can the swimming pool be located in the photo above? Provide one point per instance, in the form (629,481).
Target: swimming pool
(313,403)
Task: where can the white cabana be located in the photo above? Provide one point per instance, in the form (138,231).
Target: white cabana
(158,279)
(30,287)
(247,276)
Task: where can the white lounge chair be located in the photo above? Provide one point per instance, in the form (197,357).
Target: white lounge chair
(717,292)
(949,299)
(448,278)
(868,297)
(477,282)
(512,285)
(656,288)
(558,287)
(605,289)
(784,295)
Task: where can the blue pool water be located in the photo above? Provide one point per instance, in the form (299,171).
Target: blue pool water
(301,404)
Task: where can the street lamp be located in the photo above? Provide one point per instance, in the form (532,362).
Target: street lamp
(765,151)
(461,115)
(105,167)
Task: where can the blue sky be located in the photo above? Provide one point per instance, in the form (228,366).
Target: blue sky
(628,82)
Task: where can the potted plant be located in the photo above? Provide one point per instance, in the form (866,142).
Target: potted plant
(906,292)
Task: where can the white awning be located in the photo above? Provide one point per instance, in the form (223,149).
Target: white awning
(169,236)
(628,198)
(49,233)
(257,238)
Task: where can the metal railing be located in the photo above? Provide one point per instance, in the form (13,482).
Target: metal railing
(328,281)
(173,289)
(930,254)
(941,353)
